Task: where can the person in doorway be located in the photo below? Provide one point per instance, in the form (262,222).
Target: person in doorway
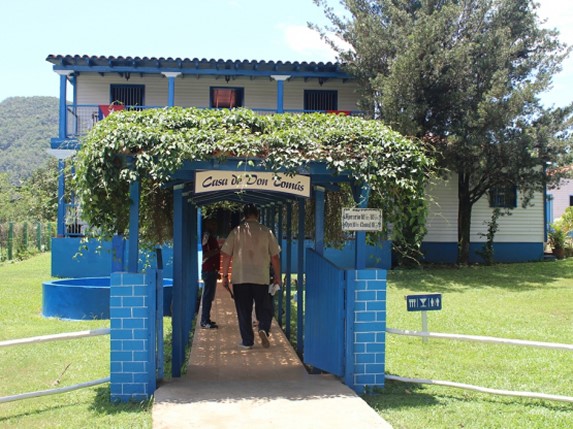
(210,271)
(252,247)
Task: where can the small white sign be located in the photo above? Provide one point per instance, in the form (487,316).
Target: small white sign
(222,180)
(357,219)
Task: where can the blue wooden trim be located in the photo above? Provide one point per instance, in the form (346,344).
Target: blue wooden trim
(349,320)
(151,286)
(61,196)
(280,235)
(159,313)
(193,274)
(288,282)
(63,108)
(319,201)
(133,255)
(280,96)
(178,267)
(203,72)
(300,277)
(446,252)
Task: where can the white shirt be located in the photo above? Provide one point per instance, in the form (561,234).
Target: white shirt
(251,246)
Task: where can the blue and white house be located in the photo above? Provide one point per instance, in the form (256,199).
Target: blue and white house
(91,87)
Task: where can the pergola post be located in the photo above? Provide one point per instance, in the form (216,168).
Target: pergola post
(300,276)
(134,196)
(178,268)
(319,201)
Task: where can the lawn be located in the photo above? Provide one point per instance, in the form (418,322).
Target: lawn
(522,301)
(27,368)
(531,301)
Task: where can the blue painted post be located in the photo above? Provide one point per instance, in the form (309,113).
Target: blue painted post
(61,229)
(288,263)
(280,96)
(280,91)
(300,277)
(185,255)
(283,264)
(193,273)
(360,244)
(365,352)
(133,255)
(63,124)
(319,220)
(178,268)
(171,87)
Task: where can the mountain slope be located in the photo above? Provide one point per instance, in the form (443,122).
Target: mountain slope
(26,126)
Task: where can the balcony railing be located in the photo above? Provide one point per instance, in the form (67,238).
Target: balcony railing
(82,117)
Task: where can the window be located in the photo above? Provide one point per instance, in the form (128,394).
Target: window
(316,99)
(228,98)
(503,197)
(570,200)
(128,95)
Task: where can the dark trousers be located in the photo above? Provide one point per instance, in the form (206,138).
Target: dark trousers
(209,286)
(245,295)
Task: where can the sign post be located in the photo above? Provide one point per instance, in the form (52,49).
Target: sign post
(424,303)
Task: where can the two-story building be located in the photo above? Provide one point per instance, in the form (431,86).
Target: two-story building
(93,86)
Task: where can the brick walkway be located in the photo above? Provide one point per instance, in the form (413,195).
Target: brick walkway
(226,387)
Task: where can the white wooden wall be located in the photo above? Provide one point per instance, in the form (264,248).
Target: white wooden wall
(561,197)
(259,93)
(523,226)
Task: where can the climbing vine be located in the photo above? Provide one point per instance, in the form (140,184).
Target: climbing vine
(151,145)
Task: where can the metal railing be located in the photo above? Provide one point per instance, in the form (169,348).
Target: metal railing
(54,337)
(482,339)
(81,118)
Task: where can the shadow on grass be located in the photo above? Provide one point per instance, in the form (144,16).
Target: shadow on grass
(102,404)
(397,395)
(514,277)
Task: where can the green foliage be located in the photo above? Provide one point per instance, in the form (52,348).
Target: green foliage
(35,199)
(466,76)
(26,126)
(153,144)
(487,252)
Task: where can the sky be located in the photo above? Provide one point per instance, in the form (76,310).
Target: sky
(269,30)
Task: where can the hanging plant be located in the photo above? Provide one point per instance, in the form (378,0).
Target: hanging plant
(151,145)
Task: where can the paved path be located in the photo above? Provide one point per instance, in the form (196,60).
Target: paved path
(226,387)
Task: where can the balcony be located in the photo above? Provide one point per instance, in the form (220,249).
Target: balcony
(82,117)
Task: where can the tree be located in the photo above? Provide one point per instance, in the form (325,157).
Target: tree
(465,75)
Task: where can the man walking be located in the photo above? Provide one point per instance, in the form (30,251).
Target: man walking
(253,249)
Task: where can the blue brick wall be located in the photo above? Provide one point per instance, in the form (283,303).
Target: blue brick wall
(366,356)
(132,363)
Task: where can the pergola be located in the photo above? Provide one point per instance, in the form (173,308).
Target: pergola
(256,186)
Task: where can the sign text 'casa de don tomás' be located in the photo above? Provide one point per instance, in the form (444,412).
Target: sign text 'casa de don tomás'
(221,180)
(361,219)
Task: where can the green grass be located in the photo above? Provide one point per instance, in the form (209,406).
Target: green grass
(28,368)
(522,301)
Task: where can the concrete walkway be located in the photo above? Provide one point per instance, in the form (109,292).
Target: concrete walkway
(226,387)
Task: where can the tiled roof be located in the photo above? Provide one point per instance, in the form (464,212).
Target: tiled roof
(193,66)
